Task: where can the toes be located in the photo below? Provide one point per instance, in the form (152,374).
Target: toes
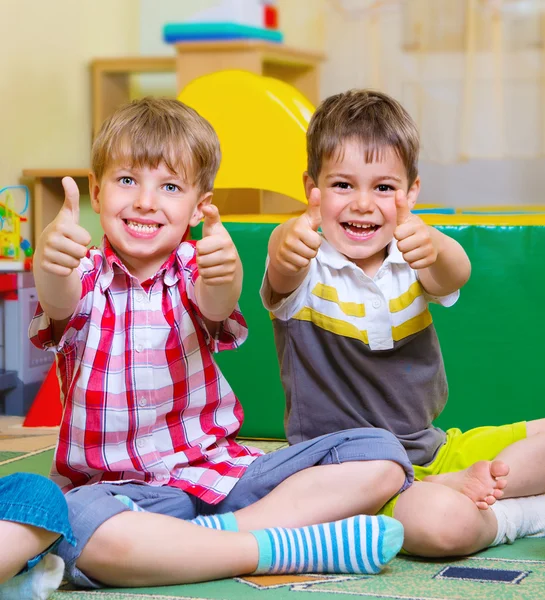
(499,469)
(482,505)
(501,483)
(498,494)
(490,500)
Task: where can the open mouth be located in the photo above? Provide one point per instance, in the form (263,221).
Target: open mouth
(142,227)
(360,230)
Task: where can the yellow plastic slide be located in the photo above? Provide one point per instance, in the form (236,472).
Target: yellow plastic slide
(261,124)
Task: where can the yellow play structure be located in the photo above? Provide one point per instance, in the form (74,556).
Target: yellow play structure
(261,123)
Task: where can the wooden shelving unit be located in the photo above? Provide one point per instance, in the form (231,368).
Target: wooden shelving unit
(111,86)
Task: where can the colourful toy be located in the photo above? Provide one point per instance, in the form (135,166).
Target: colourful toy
(12,245)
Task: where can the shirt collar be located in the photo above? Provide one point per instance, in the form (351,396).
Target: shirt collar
(170,270)
(333,258)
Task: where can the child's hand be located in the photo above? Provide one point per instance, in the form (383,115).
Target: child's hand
(300,240)
(63,242)
(217,256)
(413,236)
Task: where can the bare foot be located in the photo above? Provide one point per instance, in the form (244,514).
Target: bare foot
(480,482)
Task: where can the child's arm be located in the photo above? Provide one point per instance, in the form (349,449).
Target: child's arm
(218,287)
(442,264)
(59,250)
(292,246)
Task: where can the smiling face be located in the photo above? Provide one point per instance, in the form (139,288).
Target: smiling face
(357,205)
(145,213)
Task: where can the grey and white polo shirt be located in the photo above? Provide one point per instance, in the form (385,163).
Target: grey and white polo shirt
(356,351)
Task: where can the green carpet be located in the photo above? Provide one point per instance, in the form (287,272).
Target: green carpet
(503,573)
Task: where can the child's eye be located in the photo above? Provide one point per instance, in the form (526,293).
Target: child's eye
(343,185)
(126,180)
(171,187)
(383,187)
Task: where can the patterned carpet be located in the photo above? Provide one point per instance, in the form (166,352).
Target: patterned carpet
(504,573)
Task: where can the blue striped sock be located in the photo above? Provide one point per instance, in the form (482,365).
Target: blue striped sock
(360,544)
(226,521)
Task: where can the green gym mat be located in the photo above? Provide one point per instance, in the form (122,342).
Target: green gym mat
(514,572)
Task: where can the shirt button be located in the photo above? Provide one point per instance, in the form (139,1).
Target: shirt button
(139,297)
(140,443)
(161,477)
(376,303)
(142,402)
(139,348)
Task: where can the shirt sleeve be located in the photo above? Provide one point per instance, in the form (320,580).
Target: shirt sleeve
(286,307)
(40,331)
(233,331)
(446,301)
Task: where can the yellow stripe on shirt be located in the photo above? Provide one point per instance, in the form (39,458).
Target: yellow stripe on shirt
(327,292)
(407,298)
(336,326)
(412,326)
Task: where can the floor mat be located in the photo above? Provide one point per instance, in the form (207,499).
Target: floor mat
(503,573)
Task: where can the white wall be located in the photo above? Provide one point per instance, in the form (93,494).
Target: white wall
(45,117)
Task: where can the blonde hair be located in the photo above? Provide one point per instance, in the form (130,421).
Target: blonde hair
(149,131)
(372,118)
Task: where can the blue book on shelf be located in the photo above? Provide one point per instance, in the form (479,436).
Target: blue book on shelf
(194,32)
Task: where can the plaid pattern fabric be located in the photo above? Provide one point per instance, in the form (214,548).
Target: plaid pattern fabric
(143,397)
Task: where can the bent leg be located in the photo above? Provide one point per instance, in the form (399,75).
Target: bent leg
(526,460)
(20,543)
(440,521)
(33,515)
(326,479)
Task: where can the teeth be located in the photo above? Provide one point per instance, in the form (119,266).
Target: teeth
(142,228)
(361,225)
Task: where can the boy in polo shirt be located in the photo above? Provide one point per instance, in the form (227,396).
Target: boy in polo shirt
(148,436)
(355,339)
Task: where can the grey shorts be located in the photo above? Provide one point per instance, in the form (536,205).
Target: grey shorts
(90,506)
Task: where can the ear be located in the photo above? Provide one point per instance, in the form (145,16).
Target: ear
(197,215)
(309,184)
(94,192)
(412,194)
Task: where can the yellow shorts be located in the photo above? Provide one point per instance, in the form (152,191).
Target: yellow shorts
(461,450)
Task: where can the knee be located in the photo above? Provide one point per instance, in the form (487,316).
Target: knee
(454,527)
(393,475)
(104,547)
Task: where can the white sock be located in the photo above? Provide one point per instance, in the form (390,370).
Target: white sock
(38,583)
(518,518)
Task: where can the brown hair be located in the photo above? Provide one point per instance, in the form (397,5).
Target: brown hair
(149,131)
(376,120)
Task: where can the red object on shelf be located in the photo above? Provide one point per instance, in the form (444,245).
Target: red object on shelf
(270,16)
(8,282)
(46,410)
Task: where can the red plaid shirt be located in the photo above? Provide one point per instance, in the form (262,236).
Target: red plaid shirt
(143,397)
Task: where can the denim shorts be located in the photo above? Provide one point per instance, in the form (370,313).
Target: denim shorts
(91,505)
(34,500)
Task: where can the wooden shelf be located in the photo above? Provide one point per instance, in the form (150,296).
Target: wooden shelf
(299,68)
(48,195)
(111,76)
(110,84)
(110,81)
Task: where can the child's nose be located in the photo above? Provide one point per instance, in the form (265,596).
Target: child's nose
(363,201)
(146,200)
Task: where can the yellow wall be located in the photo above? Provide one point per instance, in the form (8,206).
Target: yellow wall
(44,83)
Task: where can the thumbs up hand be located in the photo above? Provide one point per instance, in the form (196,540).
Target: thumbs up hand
(217,256)
(63,243)
(414,237)
(300,240)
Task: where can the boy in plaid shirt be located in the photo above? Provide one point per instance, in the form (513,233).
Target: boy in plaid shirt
(159,490)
